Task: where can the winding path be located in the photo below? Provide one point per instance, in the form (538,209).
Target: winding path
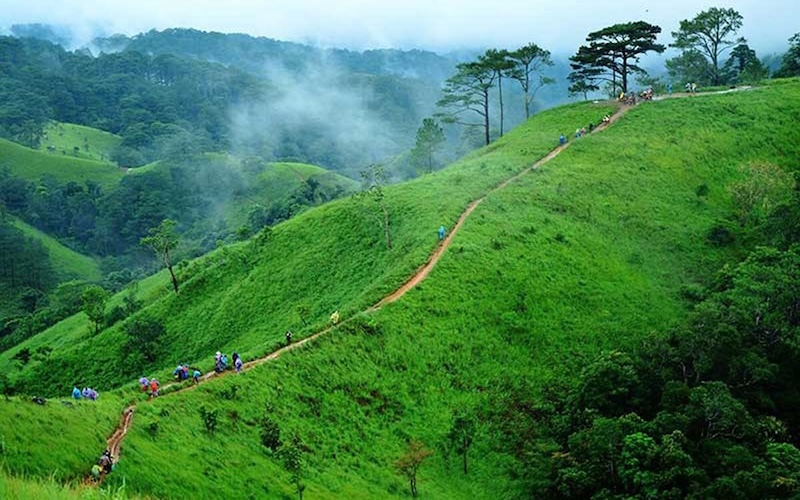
(114,443)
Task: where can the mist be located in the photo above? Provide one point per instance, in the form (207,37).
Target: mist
(338,114)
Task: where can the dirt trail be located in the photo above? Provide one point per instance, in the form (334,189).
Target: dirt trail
(115,441)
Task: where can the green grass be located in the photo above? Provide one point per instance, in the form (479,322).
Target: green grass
(589,253)
(70,435)
(33,488)
(62,139)
(67,263)
(32,165)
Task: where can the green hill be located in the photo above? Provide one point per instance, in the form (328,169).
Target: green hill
(32,165)
(69,139)
(593,251)
(67,263)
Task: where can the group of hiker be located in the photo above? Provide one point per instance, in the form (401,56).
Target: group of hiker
(582,131)
(181,373)
(103,466)
(152,385)
(86,393)
(221,362)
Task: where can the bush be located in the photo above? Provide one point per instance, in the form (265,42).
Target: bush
(209,418)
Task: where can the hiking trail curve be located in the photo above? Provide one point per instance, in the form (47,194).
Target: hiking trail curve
(114,442)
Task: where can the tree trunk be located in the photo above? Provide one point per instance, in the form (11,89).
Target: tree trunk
(486,115)
(500,91)
(174,279)
(413,483)
(465,460)
(385,227)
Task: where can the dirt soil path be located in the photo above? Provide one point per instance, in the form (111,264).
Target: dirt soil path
(115,441)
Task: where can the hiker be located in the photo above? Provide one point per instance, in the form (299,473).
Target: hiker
(185,374)
(96,470)
(583,131)
(90,394)
(335,317)
(669,88)
(694,88)
(153,388)
(106,461)
(144,383)
(237,362)
(288,337)
(606,119)
(577,133)
(591,127)
(441,232)
(196,376)
(688,87)
(562,140)
(76,393)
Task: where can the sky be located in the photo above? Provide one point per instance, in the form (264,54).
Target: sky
(437,25)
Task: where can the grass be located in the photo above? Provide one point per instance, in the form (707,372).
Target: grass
(69,435)
(589,253)
(33,488)
(67,263)
(78,141)
(31,165)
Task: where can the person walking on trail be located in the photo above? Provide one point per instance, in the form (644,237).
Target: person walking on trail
(237,363)
(144,383)
(154,388)
(106,461)
(196,376)
(562,140)
(76,393)
(96,470)
(441,233)
(669,88)
(288,337)
(335,317)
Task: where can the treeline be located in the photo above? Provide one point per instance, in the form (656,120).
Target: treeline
(151,101)
(709,410)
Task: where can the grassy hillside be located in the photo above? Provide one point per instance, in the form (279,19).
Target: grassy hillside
(78,141)
(591,252)
(32,165)
(68,263)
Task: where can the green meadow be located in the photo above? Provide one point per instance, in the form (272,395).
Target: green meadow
(79,141)
(593,251)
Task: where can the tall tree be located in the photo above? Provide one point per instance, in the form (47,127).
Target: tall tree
(430,136)
(163,240)
(612,53)
(529,60)
(408,465)
(709,35)
(468,91)
(499,62)
(744,66)
(790,64)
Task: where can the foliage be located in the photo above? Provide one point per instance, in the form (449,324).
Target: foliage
(270,433)
(762,187)
(163,240)
(790,63)
(430,137)
(373,180)
(94,305)
(409,463)
(468,91)
(209,417)
(529,60)
(612,54)
(707,35)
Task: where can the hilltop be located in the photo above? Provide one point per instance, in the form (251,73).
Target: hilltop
(598,249)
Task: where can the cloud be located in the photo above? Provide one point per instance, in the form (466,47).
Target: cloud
(443,25)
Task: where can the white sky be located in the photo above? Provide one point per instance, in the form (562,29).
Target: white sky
(439,25)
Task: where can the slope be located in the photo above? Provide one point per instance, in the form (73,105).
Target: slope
(32,165)
(78,141)
(68,263)
(591,253)
(243,297)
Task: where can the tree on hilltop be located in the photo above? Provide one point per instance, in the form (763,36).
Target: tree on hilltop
(611,55)
(468,91)
(373,179)
(529,60)
(500,63)
(707,34)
